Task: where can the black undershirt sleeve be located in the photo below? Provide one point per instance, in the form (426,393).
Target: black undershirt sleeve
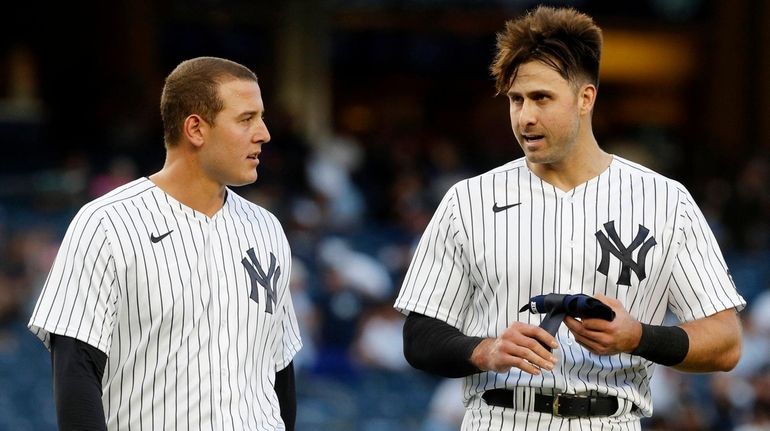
(437,347)
(287,397)
(77,384)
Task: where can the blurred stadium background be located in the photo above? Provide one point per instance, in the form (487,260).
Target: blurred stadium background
(375,108)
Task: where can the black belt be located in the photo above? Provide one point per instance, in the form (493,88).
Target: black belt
(566,405)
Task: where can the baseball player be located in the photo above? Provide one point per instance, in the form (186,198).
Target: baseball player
(168,306)
(566,222)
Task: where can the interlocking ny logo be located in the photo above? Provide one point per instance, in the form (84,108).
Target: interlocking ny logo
(624,253)
(257,275)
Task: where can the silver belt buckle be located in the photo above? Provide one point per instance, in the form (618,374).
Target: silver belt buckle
(555,407)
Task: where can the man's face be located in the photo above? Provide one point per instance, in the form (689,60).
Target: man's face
(233,142)
(545,113)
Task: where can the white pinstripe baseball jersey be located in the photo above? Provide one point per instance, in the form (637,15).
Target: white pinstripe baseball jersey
(193,312)
(499,238)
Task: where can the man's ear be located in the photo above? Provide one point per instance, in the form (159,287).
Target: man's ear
(192,129)
(587,98)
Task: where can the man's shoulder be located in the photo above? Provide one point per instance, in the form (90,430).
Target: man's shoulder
(638,170)
(508,168)
(248,210)
(464,190)
(118,196)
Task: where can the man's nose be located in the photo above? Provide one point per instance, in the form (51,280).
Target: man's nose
(262,134)
(527,114)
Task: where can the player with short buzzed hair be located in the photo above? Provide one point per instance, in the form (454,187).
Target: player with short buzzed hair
(168,304)
(601,246)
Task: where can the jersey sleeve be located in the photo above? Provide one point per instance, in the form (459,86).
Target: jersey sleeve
(287,341)
(437,283)
(700,283)
(78,298)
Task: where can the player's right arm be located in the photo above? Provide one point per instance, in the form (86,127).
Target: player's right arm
(438,286)
(520,346)
(439,348)
(77,381)
(287,395)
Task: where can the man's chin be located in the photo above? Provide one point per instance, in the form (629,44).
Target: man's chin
(242,181)
(538,158)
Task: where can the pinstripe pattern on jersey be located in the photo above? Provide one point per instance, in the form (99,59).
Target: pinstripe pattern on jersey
(474,268)
(485,418)
(187,348)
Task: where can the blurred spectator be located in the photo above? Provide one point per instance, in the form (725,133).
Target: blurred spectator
(26,401)
(747,212)
(756,337)
(760,412)
(351,282)
(340,307)
(666,389)
(308,317)
(121,170)
(378,344)
(26,257)
(447,168)
(358,271)
(760,420)
(731,397)
(330,170)
(446,409)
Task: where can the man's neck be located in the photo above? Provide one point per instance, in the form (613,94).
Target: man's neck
(582,165)
(184,181)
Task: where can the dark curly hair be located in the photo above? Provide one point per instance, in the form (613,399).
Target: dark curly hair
(562,38)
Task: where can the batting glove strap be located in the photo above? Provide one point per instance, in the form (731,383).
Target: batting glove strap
(557,306)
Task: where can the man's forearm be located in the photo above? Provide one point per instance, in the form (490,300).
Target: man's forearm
(287,398)
(77,383)
(437,347)
(715,343)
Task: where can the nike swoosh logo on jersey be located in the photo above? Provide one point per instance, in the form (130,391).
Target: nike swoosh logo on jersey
(155,239)
(497,209)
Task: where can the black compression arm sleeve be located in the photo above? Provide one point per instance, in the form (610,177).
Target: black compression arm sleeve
(438,347)
(77,384)
(287,397)
(665,345)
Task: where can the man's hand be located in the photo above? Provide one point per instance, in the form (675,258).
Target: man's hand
(604,337)
(518,346)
